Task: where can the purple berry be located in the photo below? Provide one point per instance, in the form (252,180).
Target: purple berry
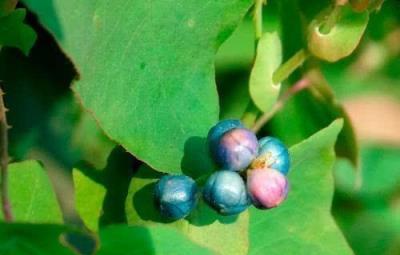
(236,149)
(217,131)
(267,187)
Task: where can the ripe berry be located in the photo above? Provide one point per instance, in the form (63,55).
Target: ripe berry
(267,187)
(175,196)
(216,132)
(225,191)
(272,154)
(236,149)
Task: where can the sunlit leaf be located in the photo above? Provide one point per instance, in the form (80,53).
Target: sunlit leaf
(148,81)
(31,194)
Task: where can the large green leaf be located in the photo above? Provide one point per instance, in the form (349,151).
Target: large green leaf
(157,240)
(23,239)
(203,226)
(303,224)
(31,194)
(263,91)
(147,75)
(14,33)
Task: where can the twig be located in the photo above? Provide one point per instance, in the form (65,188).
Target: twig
(257,18)
(6,206)
(296,88)
(287,68)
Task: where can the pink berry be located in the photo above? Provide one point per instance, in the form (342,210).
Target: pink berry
(267,187)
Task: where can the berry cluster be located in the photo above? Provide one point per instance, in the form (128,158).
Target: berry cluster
(253,172)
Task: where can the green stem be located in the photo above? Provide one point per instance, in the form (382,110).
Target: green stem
(287,68)
(6,206)
(250,115)
(331,20)
(258,5)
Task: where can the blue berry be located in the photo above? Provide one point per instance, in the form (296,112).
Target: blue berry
(216,132)
(267,187)
(272,154)
(175,196)
(225,191)
(236,149)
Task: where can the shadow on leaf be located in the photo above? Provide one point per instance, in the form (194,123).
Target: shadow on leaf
(196,161)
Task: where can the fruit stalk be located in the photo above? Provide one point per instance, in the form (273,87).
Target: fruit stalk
(258,5)
(6,206)
(287,68)
(296,88)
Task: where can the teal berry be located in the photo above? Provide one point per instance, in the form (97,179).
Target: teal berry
(225,191)
(267,187)
(236,149)
(175,196)
(272,154)
(216,132)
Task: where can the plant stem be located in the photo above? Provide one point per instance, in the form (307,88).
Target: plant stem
(258,5)
(6,206)
(296,88)
(331,19)
(250,115)
(287,68)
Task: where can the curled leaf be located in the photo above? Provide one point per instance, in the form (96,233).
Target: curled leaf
(342,38)
(263,91)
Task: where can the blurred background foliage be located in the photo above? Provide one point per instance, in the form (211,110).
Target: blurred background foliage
(48,124)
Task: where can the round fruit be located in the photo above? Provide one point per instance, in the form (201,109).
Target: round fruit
(236,149)
(216,132)
(267,187)
(225,191)
(175,196)
(272,154)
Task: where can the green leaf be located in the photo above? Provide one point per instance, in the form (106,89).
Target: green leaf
(14,33)
(303,224)
(31,194)
(23,239)
(221,234)
(147,77)
(263,91)
(342,39)
(89,197)
(119,240)
(101,194)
